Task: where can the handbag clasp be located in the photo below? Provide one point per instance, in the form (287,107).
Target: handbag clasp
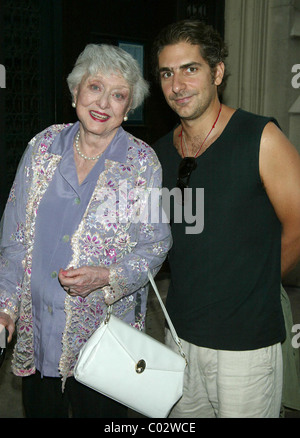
(140,366)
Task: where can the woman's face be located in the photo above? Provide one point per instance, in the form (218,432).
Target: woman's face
(101,103)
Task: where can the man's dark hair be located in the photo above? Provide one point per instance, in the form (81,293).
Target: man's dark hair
(212,47)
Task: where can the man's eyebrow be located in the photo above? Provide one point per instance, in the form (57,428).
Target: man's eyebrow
(190,64)
(182,67)
(164,69)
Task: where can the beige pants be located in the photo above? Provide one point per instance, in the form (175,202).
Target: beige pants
(230,384)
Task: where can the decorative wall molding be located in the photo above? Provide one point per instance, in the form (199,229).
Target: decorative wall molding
(295,108)
(295,31)
(294,123)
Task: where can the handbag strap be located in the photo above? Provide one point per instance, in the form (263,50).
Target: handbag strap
(170,324)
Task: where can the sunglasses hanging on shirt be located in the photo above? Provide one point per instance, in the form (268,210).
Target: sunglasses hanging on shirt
(186,167)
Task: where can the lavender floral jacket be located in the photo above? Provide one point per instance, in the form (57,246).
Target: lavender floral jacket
(128,247)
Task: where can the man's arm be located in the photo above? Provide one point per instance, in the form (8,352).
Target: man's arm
(280,173)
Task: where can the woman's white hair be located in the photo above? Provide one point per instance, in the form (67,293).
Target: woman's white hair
(108,59)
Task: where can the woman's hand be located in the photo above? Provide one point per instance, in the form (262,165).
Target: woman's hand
(82,281)
(8,323)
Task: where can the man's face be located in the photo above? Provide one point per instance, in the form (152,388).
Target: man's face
(186,79)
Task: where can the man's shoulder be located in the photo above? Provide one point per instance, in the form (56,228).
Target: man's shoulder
(250,117)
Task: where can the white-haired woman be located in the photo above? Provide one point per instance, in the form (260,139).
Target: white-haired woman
(73,241)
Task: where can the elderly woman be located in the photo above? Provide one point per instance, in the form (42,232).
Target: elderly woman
(75,236)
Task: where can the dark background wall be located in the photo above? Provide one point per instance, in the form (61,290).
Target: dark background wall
(39,43)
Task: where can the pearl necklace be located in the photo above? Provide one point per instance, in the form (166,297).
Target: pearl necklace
(79,151)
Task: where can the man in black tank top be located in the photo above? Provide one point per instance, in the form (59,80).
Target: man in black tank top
(238,177)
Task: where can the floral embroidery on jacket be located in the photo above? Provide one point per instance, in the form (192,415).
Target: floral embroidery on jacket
(108,234)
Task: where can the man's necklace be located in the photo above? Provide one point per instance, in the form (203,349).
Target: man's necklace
(198,151)
(79,151)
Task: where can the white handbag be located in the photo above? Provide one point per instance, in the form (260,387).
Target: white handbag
(131,367)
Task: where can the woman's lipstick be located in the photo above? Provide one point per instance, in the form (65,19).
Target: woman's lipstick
(99,117)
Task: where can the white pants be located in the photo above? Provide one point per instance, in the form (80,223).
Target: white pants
(230,384)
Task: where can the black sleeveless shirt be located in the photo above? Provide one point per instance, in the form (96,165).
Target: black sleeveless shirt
(225,281)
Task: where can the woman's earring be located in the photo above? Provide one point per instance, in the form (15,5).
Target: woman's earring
(73,104)
(125,119)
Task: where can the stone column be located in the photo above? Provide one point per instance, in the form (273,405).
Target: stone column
(263,38)
(264,44)
(246,24)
